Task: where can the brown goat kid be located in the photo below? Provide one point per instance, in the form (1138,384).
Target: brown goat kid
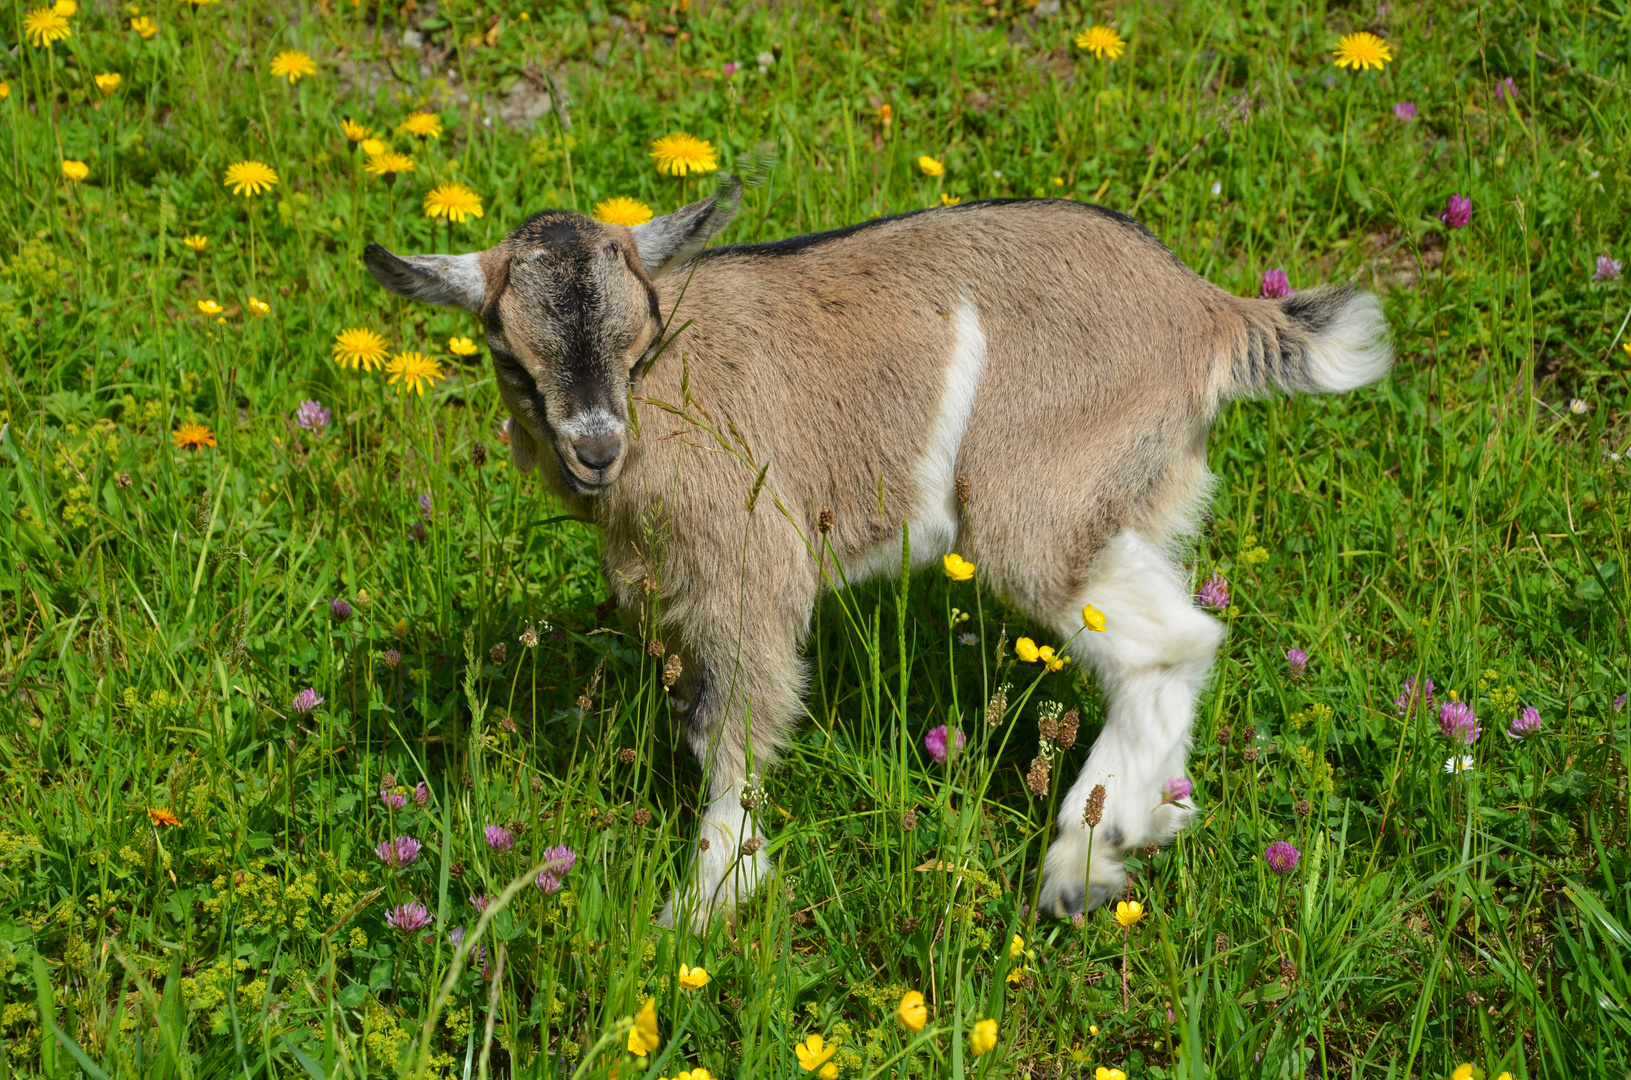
(1055,354)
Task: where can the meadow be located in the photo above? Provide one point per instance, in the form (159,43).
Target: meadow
(321,754)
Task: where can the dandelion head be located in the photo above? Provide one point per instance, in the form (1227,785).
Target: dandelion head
(680,154)
(622,211)
(1363,51)
(421,125)
(45,26)
(413,371)
(294,65)
(249,177)
(144,27)
(455,202)
(354,132)
(1102,41)
(193,436)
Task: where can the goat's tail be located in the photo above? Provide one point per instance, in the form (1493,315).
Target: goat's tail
(1325,341)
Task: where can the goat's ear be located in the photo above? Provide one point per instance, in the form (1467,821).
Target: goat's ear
(451,280)
(670,240)
(523,447)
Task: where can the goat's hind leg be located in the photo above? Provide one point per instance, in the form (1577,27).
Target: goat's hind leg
(1152,660)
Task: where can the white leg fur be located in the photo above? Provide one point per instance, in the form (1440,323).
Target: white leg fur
(724,874)
(1152,659)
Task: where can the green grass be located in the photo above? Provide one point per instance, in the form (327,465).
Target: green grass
(162,607)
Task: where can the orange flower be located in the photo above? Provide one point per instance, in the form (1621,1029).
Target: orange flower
(161,815)
(193,436)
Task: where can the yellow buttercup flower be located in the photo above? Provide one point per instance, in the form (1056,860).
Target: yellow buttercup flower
(5,90)
(196,241)
(1016,948)
(250,177)
(43,26)
(108,82)
(387,164)
(258,307)
(911,1012)
(294,65)
(373,147)
(983,1039)
(455,202)
(1093,618)
(680,154)
(1362,51)
(1051,659)
(622,211)
(1128,912)
(949,200)
(209,307)
(1462,1071)
(1504,1076)
(930,166)
(1102,1073)
(463,346)
(75,170)
(144,27)
(814,1052)
(957,567)
(1026,650)
(691,978)
(193,436)
(412,371)
(66,8)
(1102,41)
(1016,975)
(643,1035)
(354,132)
(421,125)
(359,347)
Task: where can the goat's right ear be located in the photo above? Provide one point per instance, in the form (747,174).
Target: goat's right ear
(670,240)
(450,280)
(523,447)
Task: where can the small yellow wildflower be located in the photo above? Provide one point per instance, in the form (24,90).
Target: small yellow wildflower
(1026,650)
(1093,618)
(1052,660)
(250,177)
(911,1012)
(1016,948)
(949,200)
(387,164)
(373,147)
(957,567)
(193,436)
(1102,41)
(1462,1071)
(983,1039)
(359,347)
(108,82)
(258,307)
(455,202)
(680,154)
(209,307)
(294,65)
(1102,1073)
(412,371)
(930,166)
(622,211)
(5,90)
(144,27)
(814,1052)
(75,170)
(44,26)
(691,978)
(1016,975)
(196,241)
(354,132)
(463,346)
(1362,51)
(643,1035)
(1128,912)
(421,125)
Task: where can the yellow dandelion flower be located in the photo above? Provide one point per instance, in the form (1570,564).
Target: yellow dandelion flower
(75,170)
(452,201)
(250,177)
(957,567)
(66,8)
(983,1039)
(209,307)
(691,978)
(144,27)
(193,436)
(387,165)
(196,241)
(294,65)
(622,211)
(679,154)
(45,26)
(421,125)
(258,307)
(412,371)
(1102,41)
(949,200)
(1128,912)
(1093,618)
(161,815)
(1026,650)
(463,346)
(109,81)
(373,147)
(814,1052)
(354,132)
(911,1012)
(643,1038)
(930,166)
(359,347)
(1361,51)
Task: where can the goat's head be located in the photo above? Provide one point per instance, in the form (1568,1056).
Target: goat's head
(572,321)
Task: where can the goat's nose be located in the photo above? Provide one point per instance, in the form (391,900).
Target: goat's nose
(597,452)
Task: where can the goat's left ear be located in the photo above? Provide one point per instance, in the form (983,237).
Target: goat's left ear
(451,280)
(667,242)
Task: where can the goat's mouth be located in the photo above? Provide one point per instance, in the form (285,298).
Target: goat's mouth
(586,483)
